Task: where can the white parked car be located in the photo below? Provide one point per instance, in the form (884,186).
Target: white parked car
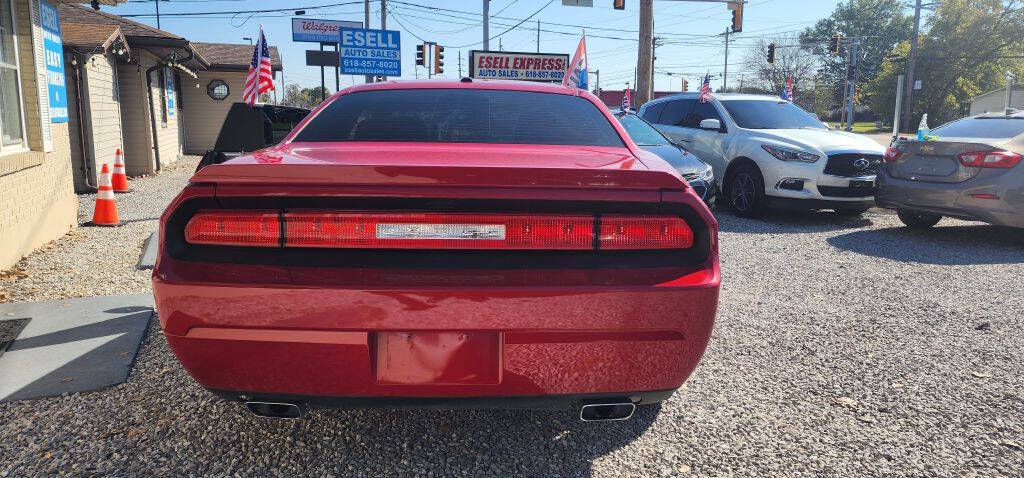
(768,151)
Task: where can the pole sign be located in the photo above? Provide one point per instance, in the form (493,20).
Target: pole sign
(319,31)
(53,47)
(370,52)
(508,65)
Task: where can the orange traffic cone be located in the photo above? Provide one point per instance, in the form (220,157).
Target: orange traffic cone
(119,181)
(105,213)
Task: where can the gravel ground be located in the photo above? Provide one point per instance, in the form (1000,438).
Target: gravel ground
(843,347)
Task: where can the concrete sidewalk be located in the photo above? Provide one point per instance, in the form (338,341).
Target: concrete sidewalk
(72,345)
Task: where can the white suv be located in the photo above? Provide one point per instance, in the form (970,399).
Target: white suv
(768,151)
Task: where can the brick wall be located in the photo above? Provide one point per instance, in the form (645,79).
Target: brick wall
(37,200)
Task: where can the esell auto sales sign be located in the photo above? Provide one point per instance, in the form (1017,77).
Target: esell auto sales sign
(506,65)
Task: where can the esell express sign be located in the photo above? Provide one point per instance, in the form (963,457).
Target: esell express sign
(517,66)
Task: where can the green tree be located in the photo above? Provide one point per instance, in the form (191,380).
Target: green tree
(957,59)
(879,24)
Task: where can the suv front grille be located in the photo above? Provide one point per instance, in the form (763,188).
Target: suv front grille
(849,164)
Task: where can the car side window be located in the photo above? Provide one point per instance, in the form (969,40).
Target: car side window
(676,111)
(701,112)
(653,112)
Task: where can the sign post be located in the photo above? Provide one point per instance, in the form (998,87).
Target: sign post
(370,52)
(53,47)
(323,32)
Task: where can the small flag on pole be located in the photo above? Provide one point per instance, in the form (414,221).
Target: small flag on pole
(260,78)
(789,88)
(705,89)
(576,75)
(627,101)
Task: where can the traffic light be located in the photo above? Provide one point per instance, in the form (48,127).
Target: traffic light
(438,59)
(421,55)
(686,85)
(619,4)
(737,16)
(771,53)
(833,46)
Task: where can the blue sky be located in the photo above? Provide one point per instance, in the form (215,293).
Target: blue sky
(691,31)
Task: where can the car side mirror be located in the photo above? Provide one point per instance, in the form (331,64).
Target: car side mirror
(711,124)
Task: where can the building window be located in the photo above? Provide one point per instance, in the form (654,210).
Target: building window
(12,128)
(218,90)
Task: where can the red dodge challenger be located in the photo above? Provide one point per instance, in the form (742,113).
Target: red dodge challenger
(448,244)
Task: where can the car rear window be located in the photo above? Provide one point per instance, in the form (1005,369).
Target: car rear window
(982,128)
(461,116)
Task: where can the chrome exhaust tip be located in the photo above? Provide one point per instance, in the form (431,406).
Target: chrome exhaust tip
(599,412)
(284,411)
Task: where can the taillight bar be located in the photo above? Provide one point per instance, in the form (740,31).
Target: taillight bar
(427,230)
(989,159)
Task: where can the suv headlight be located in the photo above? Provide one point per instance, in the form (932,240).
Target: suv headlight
(707,174)
(786,154)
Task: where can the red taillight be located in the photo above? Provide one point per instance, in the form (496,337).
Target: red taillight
(437,230)
(235,228)
(656,232)
(891,154)
(989,159)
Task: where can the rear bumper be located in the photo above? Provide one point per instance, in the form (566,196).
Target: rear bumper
(953,200)
(333,342)
(538,402)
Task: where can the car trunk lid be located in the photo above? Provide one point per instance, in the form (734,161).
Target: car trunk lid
(935,161)
(422,164)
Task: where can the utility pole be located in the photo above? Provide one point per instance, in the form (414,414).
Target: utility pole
(157,3)
(654,56)
(853,84)
(725,73)
(383,21)
(644,63)
(846,91)
(460,63)
(538,35)
(911,62)
(487,24)
(597,80)
(366,24)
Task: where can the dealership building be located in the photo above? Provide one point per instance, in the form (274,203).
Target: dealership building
(77,85)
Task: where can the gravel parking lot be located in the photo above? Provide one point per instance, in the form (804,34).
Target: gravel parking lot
(843,346)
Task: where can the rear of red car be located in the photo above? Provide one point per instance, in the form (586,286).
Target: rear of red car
(441,244)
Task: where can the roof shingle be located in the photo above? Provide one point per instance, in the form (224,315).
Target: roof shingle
(232,56)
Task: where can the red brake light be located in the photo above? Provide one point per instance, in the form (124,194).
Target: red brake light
(235,228)
(891,154)
(989,159)
(438,231)
(654,232)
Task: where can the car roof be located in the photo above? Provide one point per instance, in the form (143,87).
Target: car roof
(467,84)
(719,96)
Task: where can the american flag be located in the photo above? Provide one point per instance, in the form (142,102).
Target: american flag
(260,78)
(576,75)
(789,88)
(627,101)
(705,89)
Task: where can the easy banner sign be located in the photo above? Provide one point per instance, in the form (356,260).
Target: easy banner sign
(370,52)
(53,49)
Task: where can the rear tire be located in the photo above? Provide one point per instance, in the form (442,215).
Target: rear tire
(745,192)
(918,220)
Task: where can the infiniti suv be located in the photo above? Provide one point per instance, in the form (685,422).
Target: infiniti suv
(770,152)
